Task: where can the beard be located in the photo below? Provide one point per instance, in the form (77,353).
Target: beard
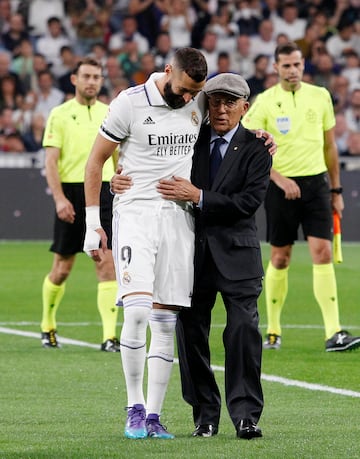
(172,99)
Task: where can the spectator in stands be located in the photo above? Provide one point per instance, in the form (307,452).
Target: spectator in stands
(226,29)
(352,112)
(39,64)
(247,15)
(5,15)
(5,70)
(48,96)
(270,10)
(178,21)
(8,95)
(223,64)
(264,42)
(209,49)
(353,143)
(99,53)
(91,24)
(128,32)
(39,11)
(148,14)
(339,90)
(12,39)
(289,22)
(163,51)
(242,58)
(324,70)
(32,138)
(257,81)
(204,9)
(63,77)
(344,10)
(7,123)
(113,74)
(311,34)
(325,29)
(147,67)
(119,10)
(351,70)
(341,133)
(344,41)
(50,44)
(129,59)
(11,141)
(23,64)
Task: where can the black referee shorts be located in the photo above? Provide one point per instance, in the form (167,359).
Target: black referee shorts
(312,211)
(69,237)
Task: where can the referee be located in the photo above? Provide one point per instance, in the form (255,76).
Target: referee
(70,132)
(304,191)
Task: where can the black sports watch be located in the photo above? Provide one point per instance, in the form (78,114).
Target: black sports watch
(337,190)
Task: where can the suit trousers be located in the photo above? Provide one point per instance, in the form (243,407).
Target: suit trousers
(242,342)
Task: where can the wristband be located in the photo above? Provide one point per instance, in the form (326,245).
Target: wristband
(92,218)
(337,190)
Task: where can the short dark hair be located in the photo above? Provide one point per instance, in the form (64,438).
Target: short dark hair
(192,62)
(286,48)
(86,61)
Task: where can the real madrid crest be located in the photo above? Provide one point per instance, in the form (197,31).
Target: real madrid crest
(126,278)
(194,118)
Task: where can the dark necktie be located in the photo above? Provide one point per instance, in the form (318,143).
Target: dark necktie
(215,158)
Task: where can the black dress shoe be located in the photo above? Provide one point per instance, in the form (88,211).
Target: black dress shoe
(205,430)
(247,429)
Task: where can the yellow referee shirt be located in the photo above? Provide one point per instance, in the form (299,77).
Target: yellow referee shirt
(72,128)
(297,121)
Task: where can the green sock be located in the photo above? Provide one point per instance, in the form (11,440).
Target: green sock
(106,298)
(325,291)
(51,296)
(276,288)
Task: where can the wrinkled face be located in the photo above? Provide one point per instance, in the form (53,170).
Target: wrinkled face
(180,88)
(225,112)
(290,68)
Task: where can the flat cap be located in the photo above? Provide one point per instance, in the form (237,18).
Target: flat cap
(228,83)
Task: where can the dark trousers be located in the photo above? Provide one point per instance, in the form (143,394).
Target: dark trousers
(242,342)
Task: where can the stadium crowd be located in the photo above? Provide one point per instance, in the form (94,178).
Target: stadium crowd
(41,41)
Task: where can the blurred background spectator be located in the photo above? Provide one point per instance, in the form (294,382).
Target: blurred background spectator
(41,41)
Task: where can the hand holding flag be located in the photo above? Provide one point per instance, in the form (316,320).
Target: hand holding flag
(337,251)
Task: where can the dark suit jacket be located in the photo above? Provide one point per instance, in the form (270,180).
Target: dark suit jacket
(226,222)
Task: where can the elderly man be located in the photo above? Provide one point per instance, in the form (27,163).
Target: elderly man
(230,175)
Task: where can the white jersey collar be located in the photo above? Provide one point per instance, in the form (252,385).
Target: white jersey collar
(152,91)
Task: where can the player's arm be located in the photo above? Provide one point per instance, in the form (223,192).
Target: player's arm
(102,150)
(332,164)
(64,208)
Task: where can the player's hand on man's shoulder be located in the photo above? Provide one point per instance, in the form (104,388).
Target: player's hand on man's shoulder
(269,140)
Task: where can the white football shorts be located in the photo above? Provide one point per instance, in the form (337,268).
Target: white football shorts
(153,250)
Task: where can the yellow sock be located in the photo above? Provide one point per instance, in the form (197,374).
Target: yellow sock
(51,296)
(276,288)
(106,298)
(325,291)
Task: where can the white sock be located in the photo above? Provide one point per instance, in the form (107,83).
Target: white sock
(160,357)
(137,309)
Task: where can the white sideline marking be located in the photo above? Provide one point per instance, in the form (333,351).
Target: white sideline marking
(88,324)
(270,378)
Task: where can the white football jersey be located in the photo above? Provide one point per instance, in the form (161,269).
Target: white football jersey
(157,141)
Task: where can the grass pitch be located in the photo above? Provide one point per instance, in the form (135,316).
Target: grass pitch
(69,403)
